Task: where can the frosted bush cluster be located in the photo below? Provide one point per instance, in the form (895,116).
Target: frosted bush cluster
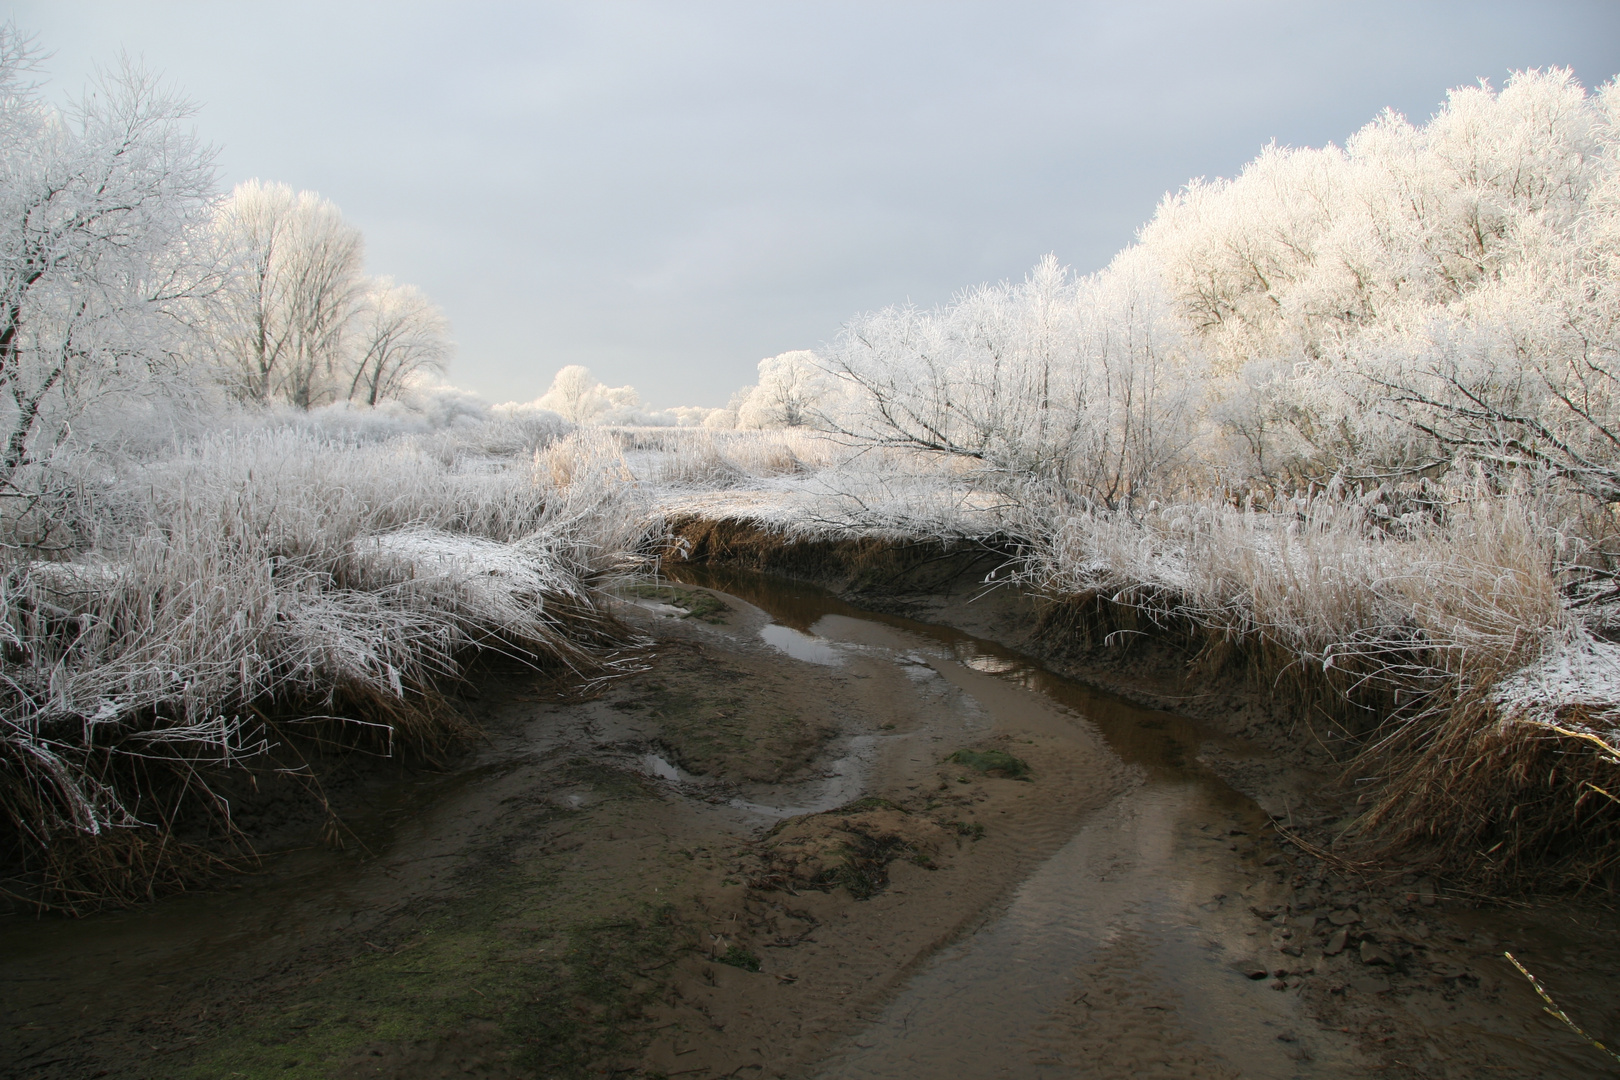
(1376,312)
(277,562)
(1358,403)
(227,486)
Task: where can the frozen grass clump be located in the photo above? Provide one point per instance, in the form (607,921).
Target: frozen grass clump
(276,571)
(1326,584)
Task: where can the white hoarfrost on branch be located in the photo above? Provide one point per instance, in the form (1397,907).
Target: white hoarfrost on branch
(101,260)
(298,285)
(299,322)
(1085,387)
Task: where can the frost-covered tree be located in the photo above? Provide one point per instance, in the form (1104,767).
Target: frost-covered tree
(1425,294)
(572,394)
(579,397)
(792,391)
(300,322)
(298,288)
(1428,290)
(1081,384)
(101,208)
(398,335)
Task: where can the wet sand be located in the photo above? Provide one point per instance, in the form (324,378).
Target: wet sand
(757,857)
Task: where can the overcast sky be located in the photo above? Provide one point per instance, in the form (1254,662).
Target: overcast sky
(668,192)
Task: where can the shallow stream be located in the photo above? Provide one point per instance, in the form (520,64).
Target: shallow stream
(1137,894)
(1152,903)
(1145,943)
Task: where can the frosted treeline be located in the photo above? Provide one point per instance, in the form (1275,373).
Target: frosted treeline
(122,273)
(794,390)
(1375,313)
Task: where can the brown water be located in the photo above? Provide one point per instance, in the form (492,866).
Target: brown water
(1134,897)
(1147,907)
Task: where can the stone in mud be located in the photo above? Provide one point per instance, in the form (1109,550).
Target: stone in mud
(1372,953)
(1344,917)
(1336,942)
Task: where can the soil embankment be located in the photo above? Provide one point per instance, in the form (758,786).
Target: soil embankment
(809,840)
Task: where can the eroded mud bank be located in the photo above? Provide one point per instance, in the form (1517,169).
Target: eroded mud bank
(764,855)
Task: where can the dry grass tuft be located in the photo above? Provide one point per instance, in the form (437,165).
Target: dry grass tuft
(1508,806)
(1418,638)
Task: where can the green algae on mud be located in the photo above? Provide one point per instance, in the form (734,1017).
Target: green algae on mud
(711,730)
(696,603)
(992,763)
(523,967)
(456,985)
(447,976)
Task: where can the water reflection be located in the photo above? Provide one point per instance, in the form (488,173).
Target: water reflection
(801,646)
(1162,743)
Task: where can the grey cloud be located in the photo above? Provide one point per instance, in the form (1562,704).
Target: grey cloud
(669,192)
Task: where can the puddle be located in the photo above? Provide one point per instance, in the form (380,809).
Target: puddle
(800,646)
(653,765)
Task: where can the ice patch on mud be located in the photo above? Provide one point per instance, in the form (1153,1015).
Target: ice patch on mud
(669,611)
(653,765)
(916,666)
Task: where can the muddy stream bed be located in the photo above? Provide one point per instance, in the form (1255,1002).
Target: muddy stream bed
(806,840)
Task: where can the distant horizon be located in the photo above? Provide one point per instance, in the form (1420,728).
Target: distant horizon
(667,195)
